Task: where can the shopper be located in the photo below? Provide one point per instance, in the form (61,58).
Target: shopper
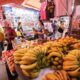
(65,31)
(9,32)
(19,28)
(18,32)
(60,30)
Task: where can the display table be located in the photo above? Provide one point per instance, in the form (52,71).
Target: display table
(20,74)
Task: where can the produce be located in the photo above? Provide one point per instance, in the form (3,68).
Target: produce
(72,63)
(61,55)
(19,54)
(25,73)
(28,67)
(34,59)
(55,60)
(75,73)
(29,58)
(57,75)
(73,78)
(54,54)
(7,56)
(34,74)
(76,45)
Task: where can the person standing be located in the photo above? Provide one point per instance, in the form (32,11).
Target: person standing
(9,33)
(19,28)
(48,29)
(65,32)
(60,30)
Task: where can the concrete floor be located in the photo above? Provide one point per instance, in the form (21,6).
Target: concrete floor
(3,72)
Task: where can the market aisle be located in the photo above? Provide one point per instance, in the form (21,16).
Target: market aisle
(3,72)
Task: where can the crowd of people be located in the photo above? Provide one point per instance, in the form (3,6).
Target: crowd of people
(51,30)
(47,30)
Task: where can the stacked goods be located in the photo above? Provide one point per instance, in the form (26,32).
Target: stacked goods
(7,57)
(10,63)
(62,54)
(19,54)
(76,46)
(71,63)
(28,64)
(57,75)
(32,61)
(65,44)
(56,61)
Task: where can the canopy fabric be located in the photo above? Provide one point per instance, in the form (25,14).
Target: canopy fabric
(77,11)
(61,7)
(2,2)
(77,2)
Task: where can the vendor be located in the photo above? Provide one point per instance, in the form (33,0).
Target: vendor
(35,32)
(40,30)
(49,29)
(39,33)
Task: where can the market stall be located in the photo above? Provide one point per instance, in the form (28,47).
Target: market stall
(50,60)
(42,59)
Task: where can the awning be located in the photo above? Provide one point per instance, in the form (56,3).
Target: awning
(3,2)
(35,4)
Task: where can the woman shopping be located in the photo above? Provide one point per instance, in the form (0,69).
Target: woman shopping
(60,30)
(9,33)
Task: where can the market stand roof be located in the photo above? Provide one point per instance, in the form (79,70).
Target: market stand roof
(32,4)
(26,3)
(2,2)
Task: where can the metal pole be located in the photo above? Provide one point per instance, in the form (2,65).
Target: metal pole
(71,17)
(67,7)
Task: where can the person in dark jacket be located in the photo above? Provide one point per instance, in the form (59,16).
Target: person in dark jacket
(50,9)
